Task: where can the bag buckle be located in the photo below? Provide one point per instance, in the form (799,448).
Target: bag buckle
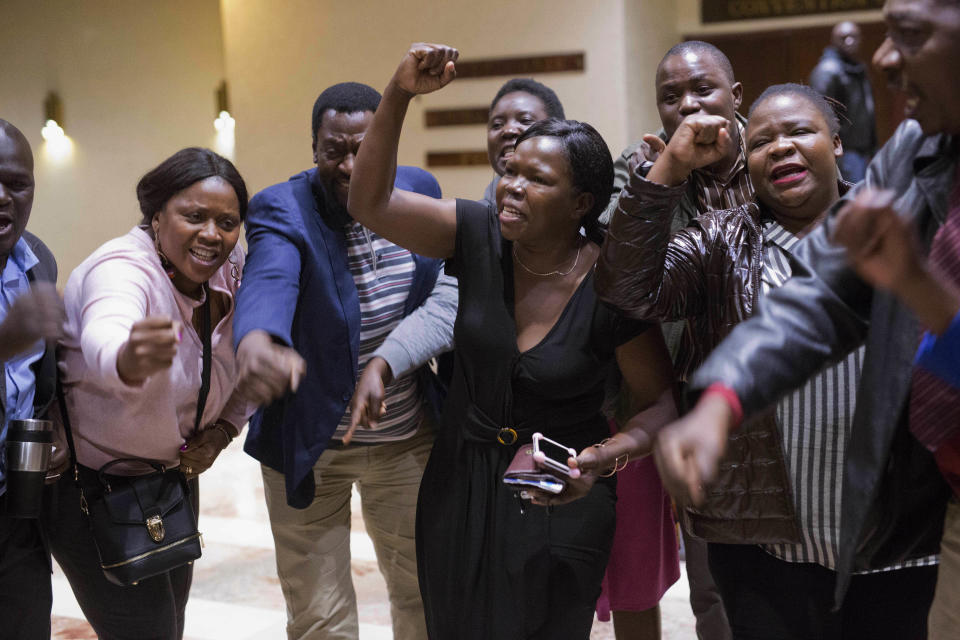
(155,528)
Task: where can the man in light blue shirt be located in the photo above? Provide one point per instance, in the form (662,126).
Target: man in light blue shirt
(18,377)
(31,320)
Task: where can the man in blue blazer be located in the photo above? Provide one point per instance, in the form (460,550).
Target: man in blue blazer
(320,293)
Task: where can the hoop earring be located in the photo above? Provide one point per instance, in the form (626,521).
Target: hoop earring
(168,267)
(234,270)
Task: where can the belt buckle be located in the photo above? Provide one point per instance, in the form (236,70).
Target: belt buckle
(507,436)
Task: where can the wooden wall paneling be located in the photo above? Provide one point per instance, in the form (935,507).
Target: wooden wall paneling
(521,66)
(731,10)
(763,58)
(485,68)
(457,158)
(456,117)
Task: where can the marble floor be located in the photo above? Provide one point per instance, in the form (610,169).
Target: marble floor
(236,594)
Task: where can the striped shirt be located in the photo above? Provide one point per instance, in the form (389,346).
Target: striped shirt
(715,192)
(815,423)
(383,273)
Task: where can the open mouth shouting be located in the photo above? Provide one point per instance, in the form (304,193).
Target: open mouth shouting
(788,174)
(509,214)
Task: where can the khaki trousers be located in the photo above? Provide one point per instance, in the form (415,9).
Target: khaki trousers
(313,544)
(944,621)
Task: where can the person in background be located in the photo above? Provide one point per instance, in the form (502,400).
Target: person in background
(131,369)
(31,321)
(895,501)
(694,79)
(321,292)
(841,76)
(519,103)
(532,351)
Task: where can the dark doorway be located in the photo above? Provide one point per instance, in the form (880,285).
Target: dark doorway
(762,58)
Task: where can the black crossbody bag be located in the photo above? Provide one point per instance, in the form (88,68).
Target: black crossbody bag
(142,525)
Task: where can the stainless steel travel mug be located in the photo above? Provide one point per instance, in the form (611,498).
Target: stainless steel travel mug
(28,454)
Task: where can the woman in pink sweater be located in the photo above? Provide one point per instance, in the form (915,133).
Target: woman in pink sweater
(131,366)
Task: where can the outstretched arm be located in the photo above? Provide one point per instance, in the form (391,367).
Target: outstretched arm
(422,335)
(419,223)
(267,364)
(648,375)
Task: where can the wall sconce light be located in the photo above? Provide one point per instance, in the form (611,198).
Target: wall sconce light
(224,121)
(53,118)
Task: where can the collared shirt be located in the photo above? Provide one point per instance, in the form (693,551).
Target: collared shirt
(940,355)
(119,284)
(715,192)
(19,380)
(815,423)
(383,274)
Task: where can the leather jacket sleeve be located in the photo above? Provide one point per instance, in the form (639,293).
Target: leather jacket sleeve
(642,271)
(816,318)
(824,78)
(621,175)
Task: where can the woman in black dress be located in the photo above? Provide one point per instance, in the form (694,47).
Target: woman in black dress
(533,348)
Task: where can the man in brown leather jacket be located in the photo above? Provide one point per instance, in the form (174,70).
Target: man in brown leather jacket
(893,497)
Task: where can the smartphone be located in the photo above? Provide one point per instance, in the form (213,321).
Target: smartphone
(552,454)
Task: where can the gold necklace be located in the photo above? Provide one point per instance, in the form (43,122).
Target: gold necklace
(555,272)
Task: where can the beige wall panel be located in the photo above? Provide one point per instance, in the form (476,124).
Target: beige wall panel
(280,55)
(650,32)
(136,80)
(690,23)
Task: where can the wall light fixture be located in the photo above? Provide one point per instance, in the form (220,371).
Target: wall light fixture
(224,121)
(53,118)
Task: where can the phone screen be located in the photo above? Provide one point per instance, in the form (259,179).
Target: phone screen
(558,454)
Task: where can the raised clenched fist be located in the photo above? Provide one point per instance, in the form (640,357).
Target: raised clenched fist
(151,348)
(425,68)
(35,315)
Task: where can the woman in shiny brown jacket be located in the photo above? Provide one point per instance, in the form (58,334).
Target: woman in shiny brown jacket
(779,482)
(709,274)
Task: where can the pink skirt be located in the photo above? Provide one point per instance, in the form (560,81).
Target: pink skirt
(644,560)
